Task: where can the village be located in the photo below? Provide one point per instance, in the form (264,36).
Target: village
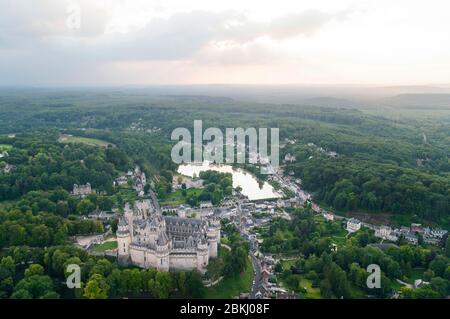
(250,215)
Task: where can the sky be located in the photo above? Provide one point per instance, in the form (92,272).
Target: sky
(147,42)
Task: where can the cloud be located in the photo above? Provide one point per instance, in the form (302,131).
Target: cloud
(232,53)
(304,23)
(36,45)
(24,20)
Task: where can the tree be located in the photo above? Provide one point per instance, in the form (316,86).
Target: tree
(338,280)
(325,289)
(194,285)
(7,264)
(115,282)
(34,269)
(236,261)
(447,247)
(441,286)
(105,203)
(17,235)
(363,238)
(60,235)
(135,282)
(439,265)
(37,286)
(21,294)
(278,267)
(40,236)
(85,206)
(447,273)
(165,284)
(96,288)
(6,286)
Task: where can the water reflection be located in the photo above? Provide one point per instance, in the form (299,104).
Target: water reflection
(251,188)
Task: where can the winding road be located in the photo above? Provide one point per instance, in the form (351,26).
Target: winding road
(256,276)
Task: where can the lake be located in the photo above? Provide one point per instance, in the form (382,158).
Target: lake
(247,181)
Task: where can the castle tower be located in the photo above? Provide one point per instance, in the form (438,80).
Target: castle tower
(123,241)
(213,237)
(162,252)
(202,255)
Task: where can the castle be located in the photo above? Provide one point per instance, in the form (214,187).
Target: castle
(150,240)
(82,190)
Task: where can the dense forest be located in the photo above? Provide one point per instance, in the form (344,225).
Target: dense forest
(350,160)
(383,164)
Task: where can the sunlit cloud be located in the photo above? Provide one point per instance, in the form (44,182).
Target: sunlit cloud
(202,41)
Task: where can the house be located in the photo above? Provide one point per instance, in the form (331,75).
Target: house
(194,183)
(411,238)
(139,181)
(169,208)
(316,208)
(244,295)
(263,293)
(385,232)
(353,225)
(121,180)
(438,233)
(433,236)
(228,203)
(82,190)
(289,158)
(7,168)
(332,154)
(265,275)
(417,228)
(431,240)
(285,295)
(420,283)
(206,204)
(404,230)
(101,215)
(280,203)
(328,216)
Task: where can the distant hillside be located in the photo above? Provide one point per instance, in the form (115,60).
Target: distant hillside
(419,101)
(330,102)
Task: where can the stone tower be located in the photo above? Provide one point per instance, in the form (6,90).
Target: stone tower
(123,241)
(202,255)
(213,237)
(162,252)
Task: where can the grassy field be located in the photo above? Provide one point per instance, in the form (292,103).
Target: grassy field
(105,246)
(233,286)
(176,198)
(340,241)
(311,293)
(66,139)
